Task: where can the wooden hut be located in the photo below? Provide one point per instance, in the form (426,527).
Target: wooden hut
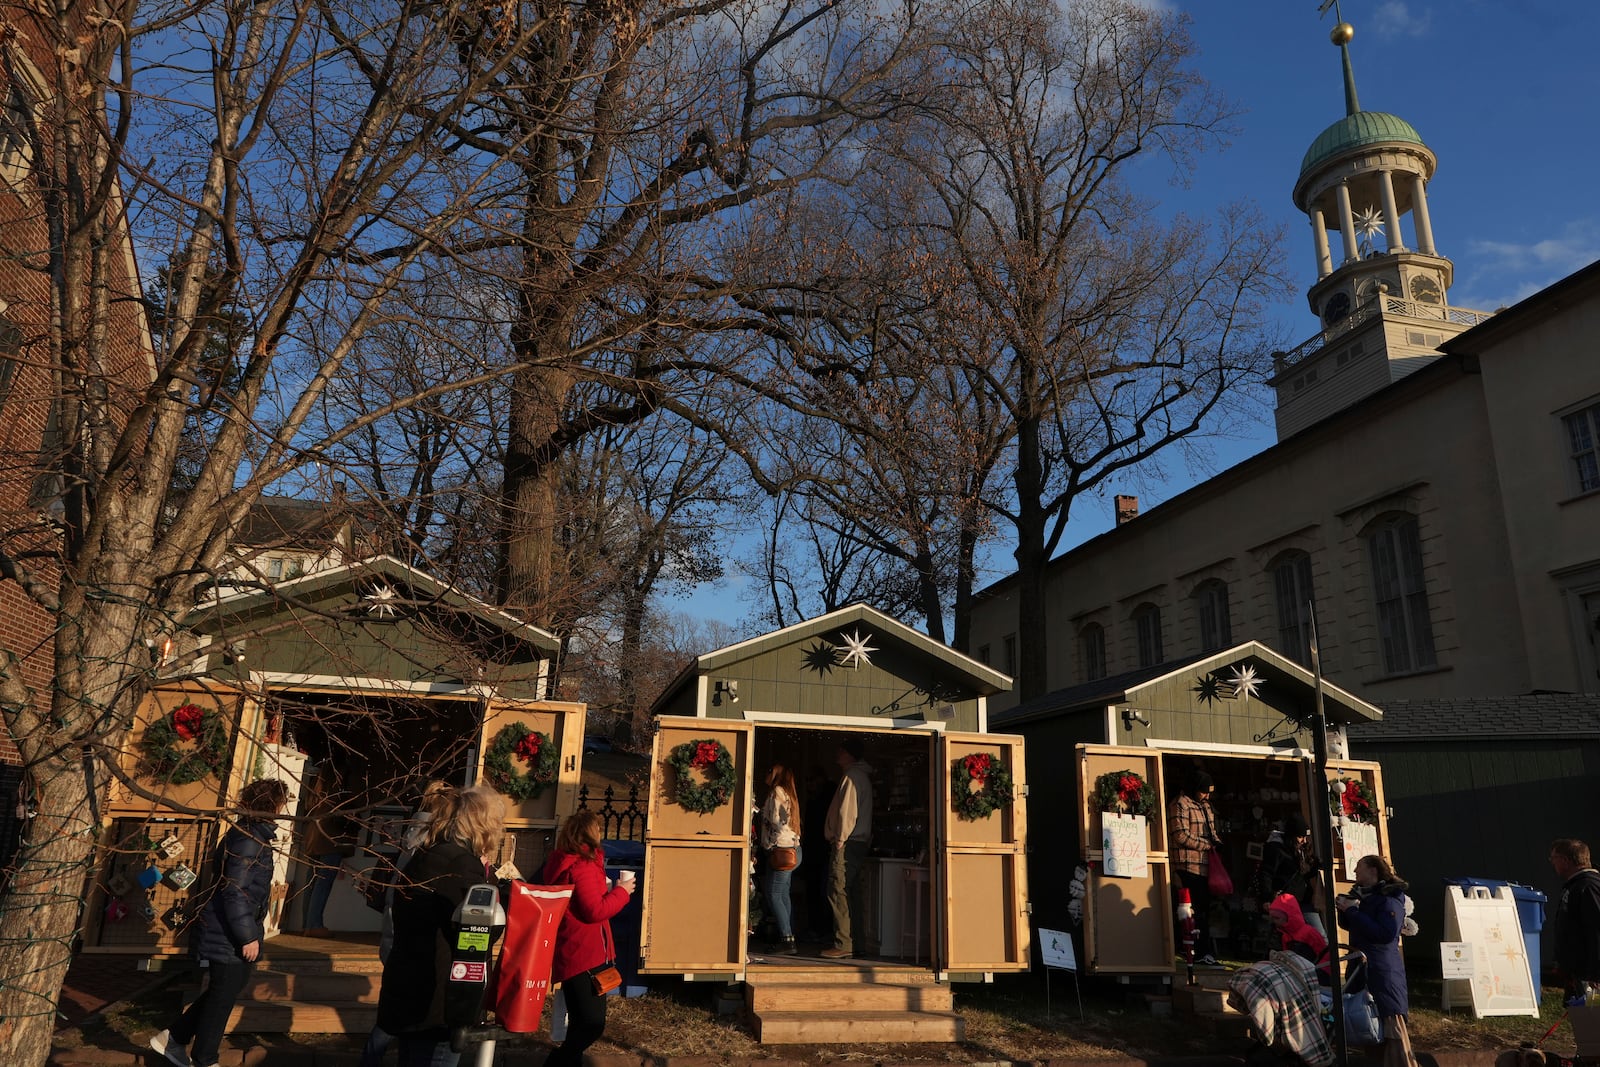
(376,665)
(1242,715)
(946,895)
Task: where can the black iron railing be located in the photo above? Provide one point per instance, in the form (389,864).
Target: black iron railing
(621,820)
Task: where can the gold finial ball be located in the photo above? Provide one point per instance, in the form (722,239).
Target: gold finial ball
(1342,33)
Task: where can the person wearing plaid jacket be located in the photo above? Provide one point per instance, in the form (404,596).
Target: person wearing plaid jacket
(1193,828)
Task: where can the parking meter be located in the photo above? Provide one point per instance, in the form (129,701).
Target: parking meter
(475,926)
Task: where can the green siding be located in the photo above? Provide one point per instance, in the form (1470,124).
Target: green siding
(895,684)
(1484,809)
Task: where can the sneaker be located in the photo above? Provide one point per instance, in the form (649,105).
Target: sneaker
(835,953)
(174,1052)
(785,947)
(1208,960)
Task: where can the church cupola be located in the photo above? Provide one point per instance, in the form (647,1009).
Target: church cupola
(1359,180)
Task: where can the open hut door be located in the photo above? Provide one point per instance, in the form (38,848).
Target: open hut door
(1127,921)
(541,788)
(1360,826)
(982,877)
(696,893)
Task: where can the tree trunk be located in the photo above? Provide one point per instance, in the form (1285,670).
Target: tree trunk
(1032,681)
(529,515)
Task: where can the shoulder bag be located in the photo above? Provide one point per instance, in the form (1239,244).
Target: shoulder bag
(782,859)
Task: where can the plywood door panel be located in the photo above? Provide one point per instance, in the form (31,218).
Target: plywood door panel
(696,866)
(981,879)
(1127,922)
(562,723)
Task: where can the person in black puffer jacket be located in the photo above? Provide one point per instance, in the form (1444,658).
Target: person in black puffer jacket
(1375,913)
(464,833)
(229,930)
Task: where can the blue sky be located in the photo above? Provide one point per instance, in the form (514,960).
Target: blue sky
(1505,95)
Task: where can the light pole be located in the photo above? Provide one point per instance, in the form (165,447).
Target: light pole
(1322,821)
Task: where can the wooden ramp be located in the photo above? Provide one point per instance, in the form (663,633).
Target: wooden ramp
(821,1003)
(312,985)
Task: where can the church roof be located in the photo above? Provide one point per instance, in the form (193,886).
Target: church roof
(1357,131)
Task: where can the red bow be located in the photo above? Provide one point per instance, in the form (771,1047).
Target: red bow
(187,721)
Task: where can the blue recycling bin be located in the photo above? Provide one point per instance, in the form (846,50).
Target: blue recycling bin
(625,926)
(1530,914)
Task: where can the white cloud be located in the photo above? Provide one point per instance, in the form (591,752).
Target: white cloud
(1396,19)
(1503,272)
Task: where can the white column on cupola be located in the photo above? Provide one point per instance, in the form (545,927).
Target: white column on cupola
(1319,234)
(1391,213)
(1347,223)
(1419,216)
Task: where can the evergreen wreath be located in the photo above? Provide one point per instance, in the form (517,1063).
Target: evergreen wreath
(709,756)
(166,762)
(1355,801)
(979,783)
(532,748)
(1125,793)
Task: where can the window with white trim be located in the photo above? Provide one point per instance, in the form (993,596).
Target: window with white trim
(1291,580)
(1583,441)
(1405,633)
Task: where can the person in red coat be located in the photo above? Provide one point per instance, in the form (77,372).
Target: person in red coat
(583,941)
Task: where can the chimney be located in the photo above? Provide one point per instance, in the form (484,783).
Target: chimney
(1127,507)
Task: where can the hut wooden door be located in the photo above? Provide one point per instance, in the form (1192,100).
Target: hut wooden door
(696,893)
(1365,829)
(981,875)
(531,821)
(1127,921)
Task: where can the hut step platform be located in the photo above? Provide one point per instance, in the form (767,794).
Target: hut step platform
(838,1003)
(1206,1001)
(312,985)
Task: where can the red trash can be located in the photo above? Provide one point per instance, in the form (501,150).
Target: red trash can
(532,916)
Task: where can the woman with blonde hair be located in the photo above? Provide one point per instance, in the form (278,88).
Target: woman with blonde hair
(584,945)
(780,829)
(456,848)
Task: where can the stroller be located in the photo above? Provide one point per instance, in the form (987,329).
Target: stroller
(1290,1015)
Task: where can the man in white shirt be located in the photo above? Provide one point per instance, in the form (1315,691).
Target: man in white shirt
(849,833)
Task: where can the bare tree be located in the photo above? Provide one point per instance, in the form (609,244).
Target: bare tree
(642,140)
(1115,333)
(275,152)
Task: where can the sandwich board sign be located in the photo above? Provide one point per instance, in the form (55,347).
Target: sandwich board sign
(1485,927)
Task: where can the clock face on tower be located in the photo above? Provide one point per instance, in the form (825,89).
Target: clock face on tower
(1425,290)
(1337,307)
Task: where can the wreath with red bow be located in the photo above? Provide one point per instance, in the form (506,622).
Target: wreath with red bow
(166,756)
(535,752)
(979,783)
(1355,801)
(1125,793)
(707,756)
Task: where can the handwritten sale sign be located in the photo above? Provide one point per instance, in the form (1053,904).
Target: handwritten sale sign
(1123,841)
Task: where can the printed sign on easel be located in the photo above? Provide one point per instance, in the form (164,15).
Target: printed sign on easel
(1122,839)
(1501,978)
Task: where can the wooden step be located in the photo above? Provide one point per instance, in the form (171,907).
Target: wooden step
(1200,1000)
(847,975)
(762,996)
(301,1017)
(364,963)
(805,1028)
(333,987)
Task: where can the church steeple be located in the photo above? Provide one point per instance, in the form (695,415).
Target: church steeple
(1359,180)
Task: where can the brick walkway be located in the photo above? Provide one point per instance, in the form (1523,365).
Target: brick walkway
(95,982)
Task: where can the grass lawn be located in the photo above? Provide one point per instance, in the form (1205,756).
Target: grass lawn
(1008,1020)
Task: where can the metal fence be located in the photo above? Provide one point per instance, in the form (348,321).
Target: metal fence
(620,819)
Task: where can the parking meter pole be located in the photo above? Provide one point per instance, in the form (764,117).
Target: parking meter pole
(485,1055)
(1323,816)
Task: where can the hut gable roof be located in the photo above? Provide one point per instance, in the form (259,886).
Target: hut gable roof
(962,670)
(414,591)
(1276,669)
